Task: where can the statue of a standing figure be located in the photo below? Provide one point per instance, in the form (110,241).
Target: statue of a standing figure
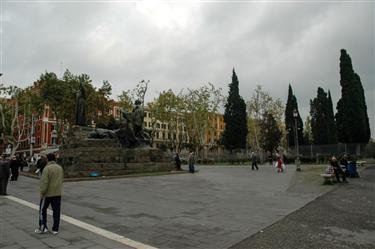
(80,106)
(138,115)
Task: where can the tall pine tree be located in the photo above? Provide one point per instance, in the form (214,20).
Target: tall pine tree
(235,118)
(331,121)
(323,123)
(292,105)
(351,117)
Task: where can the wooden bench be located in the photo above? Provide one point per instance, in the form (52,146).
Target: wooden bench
(328,178)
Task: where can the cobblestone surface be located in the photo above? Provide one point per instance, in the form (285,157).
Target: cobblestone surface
(18,222)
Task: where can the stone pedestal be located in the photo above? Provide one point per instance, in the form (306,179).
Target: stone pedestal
(81,155)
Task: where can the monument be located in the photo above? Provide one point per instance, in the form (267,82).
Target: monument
(111,152)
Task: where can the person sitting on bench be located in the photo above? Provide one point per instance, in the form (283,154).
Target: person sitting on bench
(338,170)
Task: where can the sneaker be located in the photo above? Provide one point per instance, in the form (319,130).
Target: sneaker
(54,232)
(44,230)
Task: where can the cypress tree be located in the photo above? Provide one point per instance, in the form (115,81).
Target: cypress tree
(292,105)
(322,118)
(351,117)
(235,118)
(331,122)
(318,117)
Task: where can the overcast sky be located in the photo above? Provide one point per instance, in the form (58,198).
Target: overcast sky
(187,44)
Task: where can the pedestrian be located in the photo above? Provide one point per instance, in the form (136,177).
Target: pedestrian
(14,167)
(279,164)
(40,164)
(4,175)
(191,162)
(177,161)
(22,162)
(337,170)
(352,168)
(50,193)
(254,161)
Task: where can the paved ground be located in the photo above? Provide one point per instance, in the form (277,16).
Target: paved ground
(18,222)
(215,208)
(343,218)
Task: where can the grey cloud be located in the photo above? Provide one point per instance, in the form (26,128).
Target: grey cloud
(272,44)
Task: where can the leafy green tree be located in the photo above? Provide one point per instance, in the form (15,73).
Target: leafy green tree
(235,118)
(292,106)
(167,108)
(262,102)
(307,132)
(103,104)
(271,133)
(53,92)
(60,96)
(199,106)
(351,117)
(127,98)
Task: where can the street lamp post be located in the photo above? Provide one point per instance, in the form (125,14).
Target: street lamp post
(298,163)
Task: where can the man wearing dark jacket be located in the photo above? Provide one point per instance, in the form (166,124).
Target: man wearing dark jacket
(338,170)
(14,167)
(4,175)
(50,193)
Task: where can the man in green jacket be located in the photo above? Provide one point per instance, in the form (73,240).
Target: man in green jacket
(50,193)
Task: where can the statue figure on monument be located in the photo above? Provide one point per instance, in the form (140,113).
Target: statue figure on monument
(130,133)
(126,133)
(81,106)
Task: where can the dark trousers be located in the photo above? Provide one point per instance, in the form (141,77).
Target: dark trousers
(191,168)
(338,172)
(15,174)
(254,164)
(3,185)
(55,202)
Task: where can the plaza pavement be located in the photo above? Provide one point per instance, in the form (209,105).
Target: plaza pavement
(215,208)
(341,219)
(18,222)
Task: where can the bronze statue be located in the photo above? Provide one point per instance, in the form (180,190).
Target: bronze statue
(81,106)
(126,133)
(138,115)
(131,133)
